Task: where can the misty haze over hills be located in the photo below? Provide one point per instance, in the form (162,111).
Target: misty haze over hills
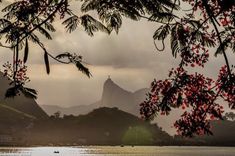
(115,96)
(25,123)
(112,96)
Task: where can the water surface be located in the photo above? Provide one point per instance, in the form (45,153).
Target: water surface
(118,151)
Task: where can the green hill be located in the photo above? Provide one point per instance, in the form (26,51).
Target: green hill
(223,134)
(13,121)
(103,126)
(9,113)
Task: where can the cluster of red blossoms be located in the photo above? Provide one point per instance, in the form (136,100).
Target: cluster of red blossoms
(195,93)
(191,92)
(18,76)
(198,55)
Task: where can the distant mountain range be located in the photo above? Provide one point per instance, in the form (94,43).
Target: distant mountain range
(112,96)
(115,96)
(75,110)
(102,126)
(20,103)
(23,122)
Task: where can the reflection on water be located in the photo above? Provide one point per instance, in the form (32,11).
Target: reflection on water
(118,151)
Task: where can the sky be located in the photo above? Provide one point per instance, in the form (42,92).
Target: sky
(129,57)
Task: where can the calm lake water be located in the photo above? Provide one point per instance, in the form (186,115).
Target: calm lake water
(119,151)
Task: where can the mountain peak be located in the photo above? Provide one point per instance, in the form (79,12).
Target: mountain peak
(110,85)
(108,81)
(110,90)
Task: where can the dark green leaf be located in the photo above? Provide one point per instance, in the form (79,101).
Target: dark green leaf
(162,32)
(162,17)
(26,51)
(83,69)
(175,45)
(49,27)
(29,93)
(222,47)
(71,23)
(47,64)
(12,92)
(92,25)
(44,32)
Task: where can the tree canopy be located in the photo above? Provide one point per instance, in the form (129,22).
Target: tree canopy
(206,28)
(28,21)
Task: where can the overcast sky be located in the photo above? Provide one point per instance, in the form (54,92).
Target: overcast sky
(129,57)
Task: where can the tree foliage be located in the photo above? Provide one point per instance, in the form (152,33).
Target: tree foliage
(206,28)
(230,116)
(26,22)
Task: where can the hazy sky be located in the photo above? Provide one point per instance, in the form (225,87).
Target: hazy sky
(129,57)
